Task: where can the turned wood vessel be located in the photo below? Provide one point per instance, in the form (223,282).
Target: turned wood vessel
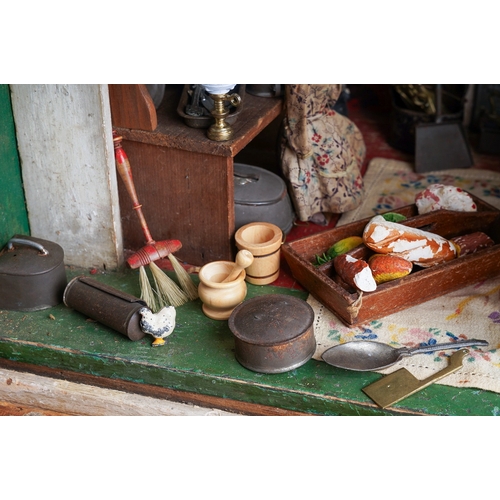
(264,241)
(220,298)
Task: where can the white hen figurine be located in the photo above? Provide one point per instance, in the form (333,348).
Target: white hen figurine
(159,325)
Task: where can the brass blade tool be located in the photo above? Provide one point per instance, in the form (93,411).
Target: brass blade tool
(400,384)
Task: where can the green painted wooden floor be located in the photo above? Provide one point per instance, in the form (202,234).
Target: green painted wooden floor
(199,357)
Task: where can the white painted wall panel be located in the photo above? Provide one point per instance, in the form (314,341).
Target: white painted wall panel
(66,149)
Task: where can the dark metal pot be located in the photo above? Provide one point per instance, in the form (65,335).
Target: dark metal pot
(32,274)
(273,333)
(261,196)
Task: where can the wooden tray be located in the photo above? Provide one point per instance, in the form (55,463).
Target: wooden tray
(419,286)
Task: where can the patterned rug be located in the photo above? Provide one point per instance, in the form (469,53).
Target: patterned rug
(472,312)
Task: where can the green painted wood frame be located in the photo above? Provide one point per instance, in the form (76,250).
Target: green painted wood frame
(13,212)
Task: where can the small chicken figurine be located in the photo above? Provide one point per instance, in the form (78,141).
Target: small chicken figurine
(160,325)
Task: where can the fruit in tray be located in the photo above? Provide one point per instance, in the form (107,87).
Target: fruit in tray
(388,267)
(476,258)
(340,247)
(397,248)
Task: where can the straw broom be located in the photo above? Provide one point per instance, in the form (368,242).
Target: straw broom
(167,291)
(187,284)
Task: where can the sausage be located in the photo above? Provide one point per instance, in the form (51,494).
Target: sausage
(355,272)
(472,242)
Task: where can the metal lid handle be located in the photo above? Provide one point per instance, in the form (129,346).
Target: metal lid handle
(22,241)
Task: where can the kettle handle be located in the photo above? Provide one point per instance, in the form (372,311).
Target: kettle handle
(22,241)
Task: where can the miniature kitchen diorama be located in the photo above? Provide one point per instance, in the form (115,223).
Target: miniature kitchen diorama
(229,301)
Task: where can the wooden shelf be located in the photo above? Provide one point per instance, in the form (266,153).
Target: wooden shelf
(171,131)
(185,180)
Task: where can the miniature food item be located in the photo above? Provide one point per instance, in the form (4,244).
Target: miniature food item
(393,217)
(355,272)
(420,247)
(472,242)
(387,267)
(439,196)
(342,246)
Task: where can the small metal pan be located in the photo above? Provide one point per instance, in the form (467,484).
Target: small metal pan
(273,333)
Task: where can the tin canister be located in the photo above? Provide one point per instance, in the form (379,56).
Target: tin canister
(107,305)
(273,333)
(32,274)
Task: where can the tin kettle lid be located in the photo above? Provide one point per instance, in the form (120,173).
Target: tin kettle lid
(271,319)
(28,256)
(257,186)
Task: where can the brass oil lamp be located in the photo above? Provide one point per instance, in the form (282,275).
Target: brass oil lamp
(220,130)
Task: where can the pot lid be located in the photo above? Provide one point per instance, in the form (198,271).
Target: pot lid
(271,319)
(257,186)
(29,256)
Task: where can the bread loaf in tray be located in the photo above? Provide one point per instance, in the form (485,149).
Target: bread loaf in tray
(420,247)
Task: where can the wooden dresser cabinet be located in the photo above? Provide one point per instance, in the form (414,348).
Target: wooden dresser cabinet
(184,180)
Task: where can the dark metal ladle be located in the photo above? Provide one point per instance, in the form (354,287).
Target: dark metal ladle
(369,356)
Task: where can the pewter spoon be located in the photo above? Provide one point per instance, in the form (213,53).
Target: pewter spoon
(365,356)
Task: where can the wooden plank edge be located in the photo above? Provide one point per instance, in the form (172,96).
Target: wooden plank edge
(45,394)
(8,409)
(211,403)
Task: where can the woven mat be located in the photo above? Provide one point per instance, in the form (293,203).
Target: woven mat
(472,312)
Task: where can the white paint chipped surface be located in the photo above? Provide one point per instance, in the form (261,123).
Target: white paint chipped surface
(365,281)
(67,160)
(440,196)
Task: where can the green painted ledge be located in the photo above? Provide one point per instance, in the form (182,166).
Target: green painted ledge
(199,357)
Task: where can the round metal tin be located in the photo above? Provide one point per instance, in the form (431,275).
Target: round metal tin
(273,333)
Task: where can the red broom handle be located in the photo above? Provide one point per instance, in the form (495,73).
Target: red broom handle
(125,171)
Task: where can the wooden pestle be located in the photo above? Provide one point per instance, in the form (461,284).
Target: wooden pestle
(244,258)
